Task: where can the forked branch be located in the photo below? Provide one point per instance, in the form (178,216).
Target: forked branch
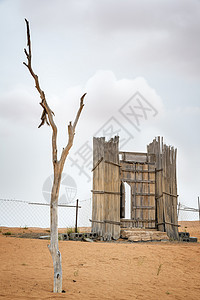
(47,114)
(71,133)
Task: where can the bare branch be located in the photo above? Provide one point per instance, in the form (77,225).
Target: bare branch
(71,133)
(79,112)
(47,114)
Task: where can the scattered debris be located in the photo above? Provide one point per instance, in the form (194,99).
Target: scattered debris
(185,237)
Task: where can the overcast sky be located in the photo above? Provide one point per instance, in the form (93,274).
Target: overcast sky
(112,50)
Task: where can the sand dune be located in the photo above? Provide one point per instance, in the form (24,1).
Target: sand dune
(100,270)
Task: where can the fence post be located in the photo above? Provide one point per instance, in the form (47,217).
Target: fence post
(76,228)
(199,207)
(179,206)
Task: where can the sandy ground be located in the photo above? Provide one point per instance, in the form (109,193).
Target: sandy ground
(100,270)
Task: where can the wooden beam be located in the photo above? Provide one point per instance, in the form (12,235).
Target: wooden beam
(105,192)
(143,207)
(112,163)
(136,162)
(137,181)
(143,194)
(168,224)
(138,171)
(99,161)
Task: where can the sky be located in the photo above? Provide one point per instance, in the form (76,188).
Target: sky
(122,53)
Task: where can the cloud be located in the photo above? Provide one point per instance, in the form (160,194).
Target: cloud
(161,35)
(17,106)
(108,49)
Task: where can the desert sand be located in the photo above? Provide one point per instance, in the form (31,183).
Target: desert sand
(162,270)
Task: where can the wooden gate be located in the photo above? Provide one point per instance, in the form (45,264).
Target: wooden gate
(138,170)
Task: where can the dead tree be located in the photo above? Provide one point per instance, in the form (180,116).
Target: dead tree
(48,117)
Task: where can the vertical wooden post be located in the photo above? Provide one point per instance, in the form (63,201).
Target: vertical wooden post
(76,228)
(199,207)
(179,206)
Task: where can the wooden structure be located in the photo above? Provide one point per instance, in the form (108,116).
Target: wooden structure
(106,188)
(151,177)
(138,171)
(166,187)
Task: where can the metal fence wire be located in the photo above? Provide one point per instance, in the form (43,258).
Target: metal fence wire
(18,213)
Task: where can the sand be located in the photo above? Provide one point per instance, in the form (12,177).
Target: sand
(99,270)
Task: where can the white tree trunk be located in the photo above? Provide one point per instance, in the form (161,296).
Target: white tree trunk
(53,247)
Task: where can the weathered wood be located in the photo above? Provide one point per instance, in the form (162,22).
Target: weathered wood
(158,170)
(134,221)
(135,162)
(143,207)
(143,194)
(169,223)
(151,187)
(166,187)
(169,194)
(137,181)
(137,171)
(137,175)
(112,163)
(99,161)
(105,192)
(106,188)
(152,180)
(105,221)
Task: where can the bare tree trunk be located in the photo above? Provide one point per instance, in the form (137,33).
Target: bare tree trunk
(47,117)
(53,247)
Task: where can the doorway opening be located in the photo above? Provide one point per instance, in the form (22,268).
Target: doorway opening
(125,201)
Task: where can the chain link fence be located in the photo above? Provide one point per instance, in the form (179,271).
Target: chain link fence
(189,220)
(18,213)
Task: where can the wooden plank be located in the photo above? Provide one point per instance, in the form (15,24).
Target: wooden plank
(134,153)
(112,163)
(138,220)
(99,161)
(170,224)
(138,190)
(144,194)
(170,194)
(146,182)
(156,147)
(143,207)
(105,192)
(98,184)
(105,221)
(111,179)
(151,198)
(137,181)
(124,162)
(137,171)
